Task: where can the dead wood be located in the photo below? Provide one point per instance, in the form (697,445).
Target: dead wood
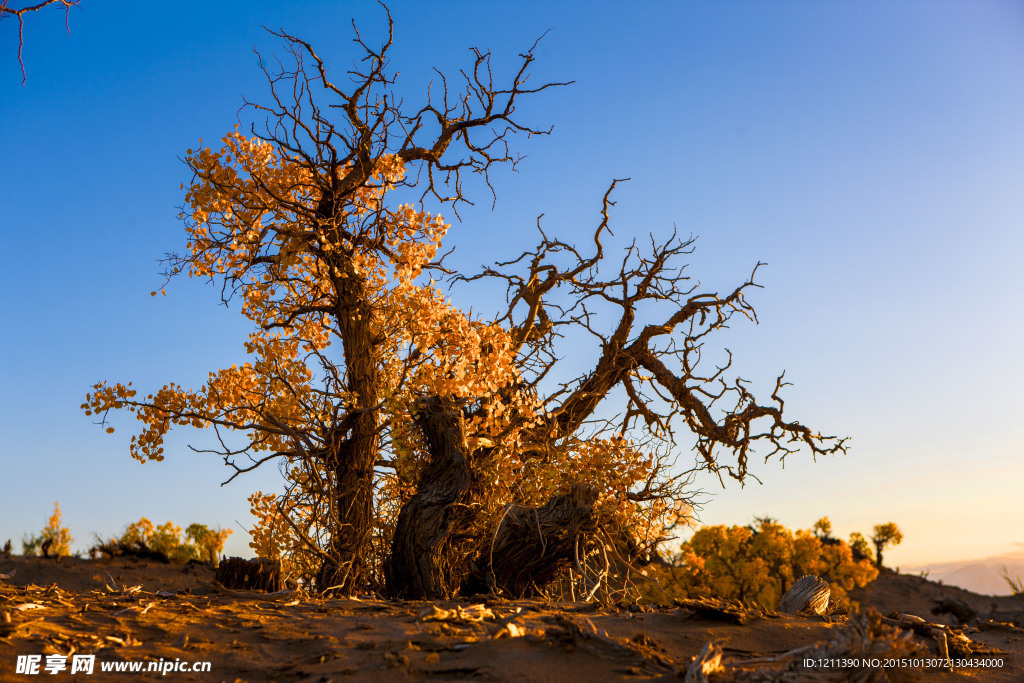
(808,594)
(960,610)
(993,625)
(714,609)
(868,635)
(582,632)
(136,549)
(255,574)
(950,637)
(707,662)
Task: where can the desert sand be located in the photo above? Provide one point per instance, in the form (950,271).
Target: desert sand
(129,610)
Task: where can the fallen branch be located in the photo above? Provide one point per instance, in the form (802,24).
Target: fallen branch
(582,632)
(724,610)
(277,596)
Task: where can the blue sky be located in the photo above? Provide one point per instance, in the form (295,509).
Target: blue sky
(871,153)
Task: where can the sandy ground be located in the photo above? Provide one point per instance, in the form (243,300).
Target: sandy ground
(128,610)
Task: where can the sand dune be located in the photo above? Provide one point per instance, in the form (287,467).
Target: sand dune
(982,576)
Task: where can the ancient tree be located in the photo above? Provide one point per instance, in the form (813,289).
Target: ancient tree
(428,452)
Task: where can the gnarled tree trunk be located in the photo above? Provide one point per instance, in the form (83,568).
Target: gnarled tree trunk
(532,545)
(418,567)
(527,551)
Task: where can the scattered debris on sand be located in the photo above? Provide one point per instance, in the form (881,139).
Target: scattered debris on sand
(128,609)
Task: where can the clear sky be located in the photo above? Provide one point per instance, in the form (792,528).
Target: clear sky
(871,153)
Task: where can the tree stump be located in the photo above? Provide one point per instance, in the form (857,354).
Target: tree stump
(256,574)
(809,593)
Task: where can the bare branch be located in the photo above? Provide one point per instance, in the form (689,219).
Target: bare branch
(6,11)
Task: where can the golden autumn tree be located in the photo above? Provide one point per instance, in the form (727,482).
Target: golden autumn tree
(426,451)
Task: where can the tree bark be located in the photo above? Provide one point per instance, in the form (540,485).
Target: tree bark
(419,566)
(350,536)
(532,545)
(351,453)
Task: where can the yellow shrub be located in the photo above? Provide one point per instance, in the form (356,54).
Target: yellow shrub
(759,563)
(208,543)
(58,537)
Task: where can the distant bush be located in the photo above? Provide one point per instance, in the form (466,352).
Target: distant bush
(165,542)
(885,535)
(859,546)
(30,545)
(208,543)
(53,541)
(758,563)
(56,538)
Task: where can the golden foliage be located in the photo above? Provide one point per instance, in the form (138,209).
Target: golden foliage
(760,563)
(885,535)
(202,544)
(859,546)
(209,542)
(58,536)
(247,225)
(274,538)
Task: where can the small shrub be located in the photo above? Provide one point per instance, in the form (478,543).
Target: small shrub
(859,546)
(30,545)
(1015,582)
(55,540)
